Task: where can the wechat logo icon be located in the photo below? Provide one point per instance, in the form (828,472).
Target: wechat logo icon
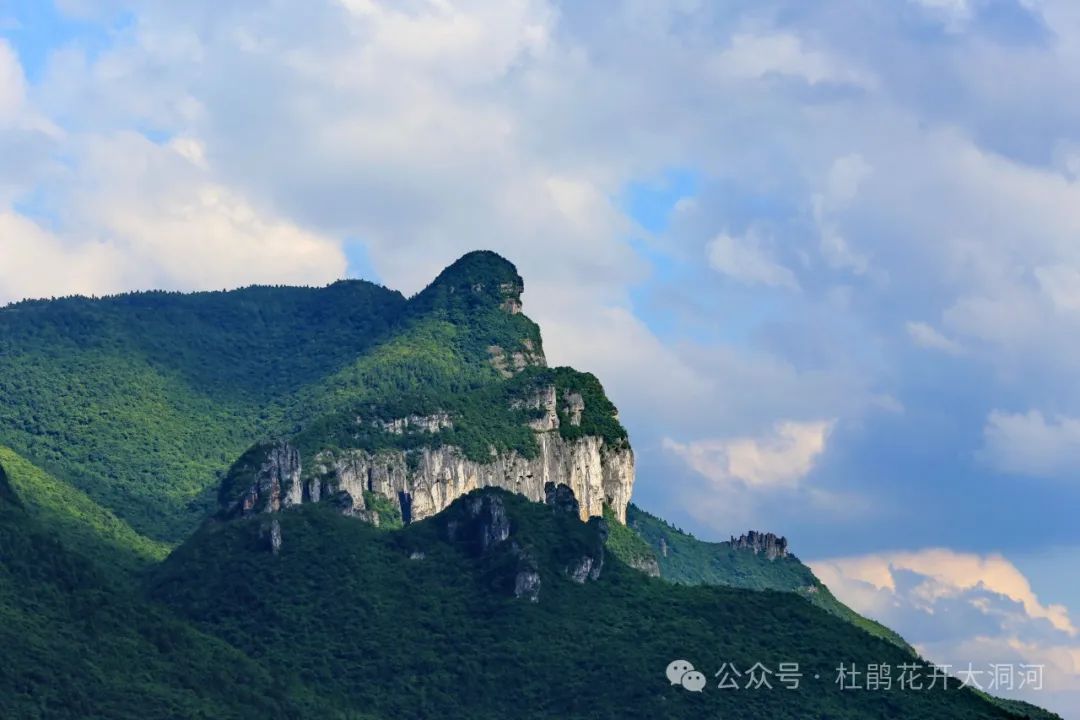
(682,672)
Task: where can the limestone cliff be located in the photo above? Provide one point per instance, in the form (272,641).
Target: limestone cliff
(432,478)
(265,479)
(421,481)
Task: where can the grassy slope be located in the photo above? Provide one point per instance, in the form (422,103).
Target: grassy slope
(139,400)
(76,519)
(77,646)
(691,561)
(345,616)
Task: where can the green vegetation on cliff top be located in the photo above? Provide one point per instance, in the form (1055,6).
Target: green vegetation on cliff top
(143,401)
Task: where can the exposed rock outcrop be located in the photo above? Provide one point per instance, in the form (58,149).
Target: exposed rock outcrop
(574,406)
(647,565)
(589,565)
(483,528)
(484,525)
(544,403)
(772,546)
(509,364)
(527,582)
(435,477)
(275,483)
(425,476)
(561,497)
(417,423)
(271,535)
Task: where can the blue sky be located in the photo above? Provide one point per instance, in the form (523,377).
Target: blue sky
(824,256)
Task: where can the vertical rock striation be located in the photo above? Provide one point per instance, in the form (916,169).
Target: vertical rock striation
(437,476)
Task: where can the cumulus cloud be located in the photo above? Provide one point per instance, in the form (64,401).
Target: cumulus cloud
(148,216)
(941,574)
(37,264)
(746,259)
(780,458)
(960,608)
(1030,444)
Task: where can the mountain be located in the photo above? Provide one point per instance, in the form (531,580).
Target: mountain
(501,607)
(143,401)
(756,561)
(341,502)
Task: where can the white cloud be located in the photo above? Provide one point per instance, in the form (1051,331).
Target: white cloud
(747,260)
(751,57)
(38,264)
(780,458)
(943,574)
(927,336)
(583,334)
(839,254)
(1030,444)
(148,215)
(471,41)
(960,608)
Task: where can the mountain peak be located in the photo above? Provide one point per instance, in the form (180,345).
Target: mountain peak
(478,278)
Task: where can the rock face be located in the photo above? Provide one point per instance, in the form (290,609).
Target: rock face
(589,565)
(486,524)
(271,535)
(423,423)
(527,582)
(437,476)
(648,565)
(428,479)
(561,497)
(545,403)
(276,484)
(596,470)
(510,364)
(484,528)
(575,406)
(772,546)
